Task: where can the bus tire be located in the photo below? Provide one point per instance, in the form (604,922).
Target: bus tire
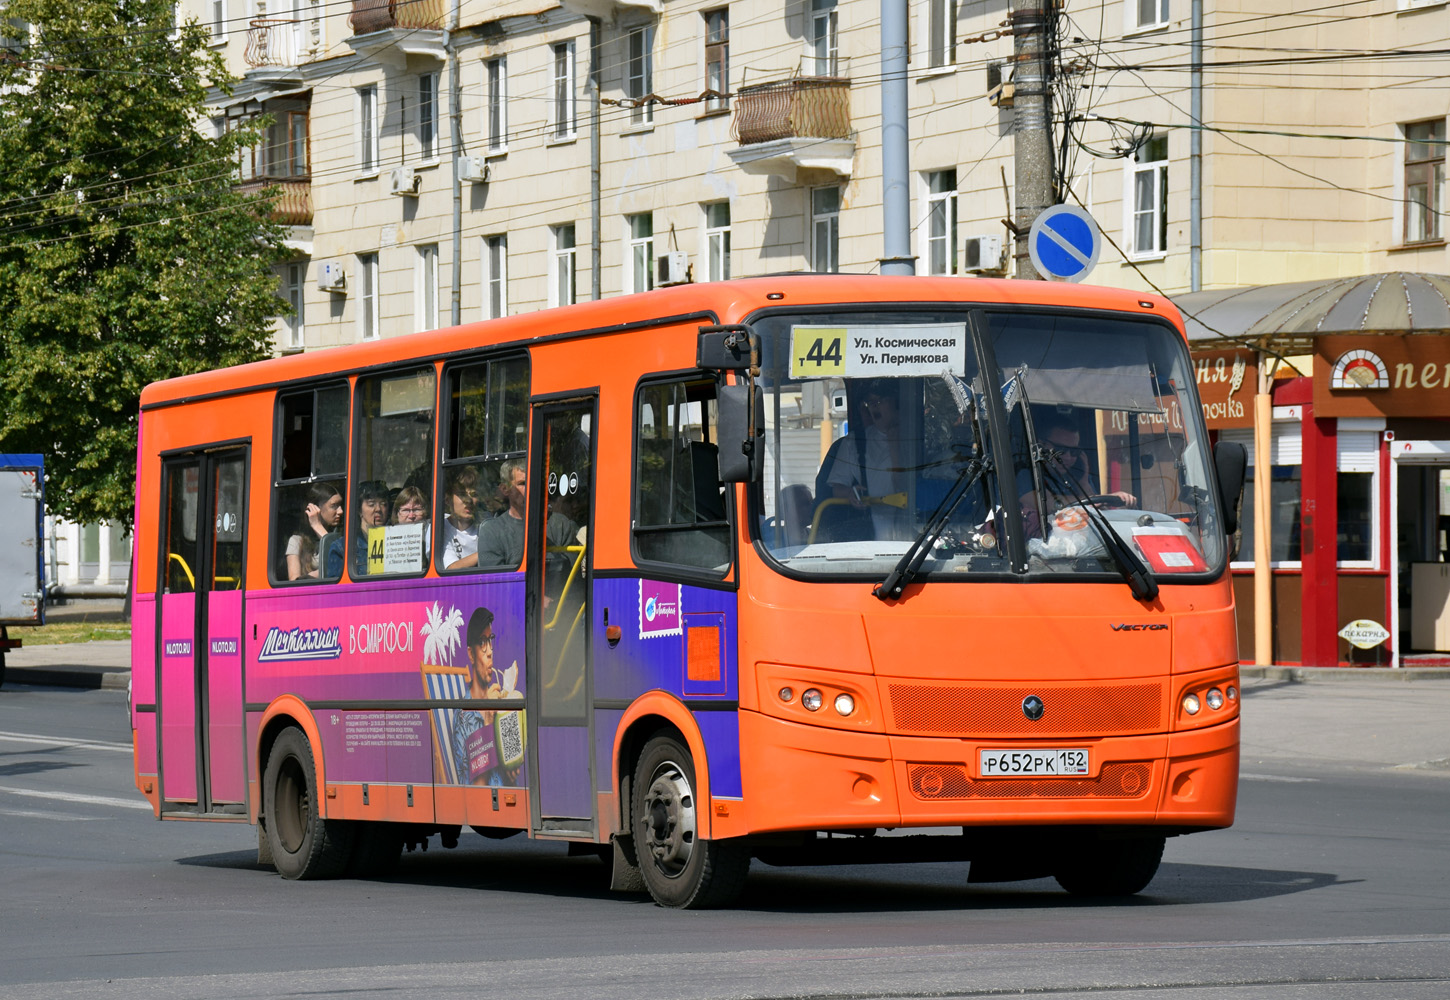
(1113,867)
(376,848)
(304,845)
(679,868)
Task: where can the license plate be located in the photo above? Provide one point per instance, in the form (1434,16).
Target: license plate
(1038,763)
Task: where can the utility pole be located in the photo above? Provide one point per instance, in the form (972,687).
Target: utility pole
(1032,125)
(895,163)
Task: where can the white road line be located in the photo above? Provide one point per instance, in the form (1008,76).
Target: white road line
(41,814)
(52,741)
(95,800)
(1246,776)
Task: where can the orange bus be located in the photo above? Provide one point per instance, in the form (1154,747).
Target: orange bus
(812,569)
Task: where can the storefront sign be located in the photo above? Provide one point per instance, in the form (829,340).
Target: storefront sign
(1227,381)
(1398,375)
(1364,634)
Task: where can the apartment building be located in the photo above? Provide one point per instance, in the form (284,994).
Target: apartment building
(747,137)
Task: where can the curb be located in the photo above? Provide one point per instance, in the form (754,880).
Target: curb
(1308,675)
(90,679)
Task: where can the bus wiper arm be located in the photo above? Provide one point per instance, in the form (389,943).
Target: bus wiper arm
(1139,576)
(910,563)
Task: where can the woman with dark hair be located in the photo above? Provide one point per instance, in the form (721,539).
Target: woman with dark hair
(321,514)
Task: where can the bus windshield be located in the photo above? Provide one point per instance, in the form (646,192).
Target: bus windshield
(872,419)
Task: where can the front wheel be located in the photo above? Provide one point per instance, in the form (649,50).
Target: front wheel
(678,867)
(1112,867)
(304,845)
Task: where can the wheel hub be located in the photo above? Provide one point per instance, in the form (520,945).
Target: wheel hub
(669,819)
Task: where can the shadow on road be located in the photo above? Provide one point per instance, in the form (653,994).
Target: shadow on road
(542,869)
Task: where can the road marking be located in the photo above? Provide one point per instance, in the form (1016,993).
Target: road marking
(95,800)
(52,741)
(40,814)
(1271,777)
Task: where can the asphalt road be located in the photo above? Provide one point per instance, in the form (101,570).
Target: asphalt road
(1335,883)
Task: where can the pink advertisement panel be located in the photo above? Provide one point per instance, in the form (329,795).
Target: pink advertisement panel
(143,680)
(177,706)
(224,696)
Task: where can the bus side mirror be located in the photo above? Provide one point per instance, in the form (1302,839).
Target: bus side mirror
(742,449)
(1230,462)
(723,349)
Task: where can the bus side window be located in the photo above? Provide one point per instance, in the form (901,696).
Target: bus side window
(680,515)
(392,474)
(485,464)
(309,471)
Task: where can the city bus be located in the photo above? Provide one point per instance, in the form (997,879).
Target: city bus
(804,570)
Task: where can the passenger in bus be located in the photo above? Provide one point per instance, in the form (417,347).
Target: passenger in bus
(411,507)
(501,538)
(372,513)
(460,530)
(1059,431)
(321,515)
(881,469)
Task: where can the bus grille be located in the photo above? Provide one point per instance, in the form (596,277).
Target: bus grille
(935,782)
(1107,709)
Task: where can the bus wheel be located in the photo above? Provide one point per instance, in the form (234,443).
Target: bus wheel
(304,845)
(376,849)
(1113,867)
(679,868)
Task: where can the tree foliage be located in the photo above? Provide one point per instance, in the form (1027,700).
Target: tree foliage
(126,254)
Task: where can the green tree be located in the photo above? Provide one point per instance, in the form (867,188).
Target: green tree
(126,254)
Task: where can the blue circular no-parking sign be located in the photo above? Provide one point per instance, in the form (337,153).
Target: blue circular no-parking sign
(1064,243)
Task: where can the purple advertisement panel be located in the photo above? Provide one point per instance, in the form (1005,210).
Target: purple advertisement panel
(177,706)
(224,696)
(404,640)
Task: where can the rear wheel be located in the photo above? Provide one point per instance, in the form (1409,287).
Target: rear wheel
(304,845)
(1113,867)
(678,867)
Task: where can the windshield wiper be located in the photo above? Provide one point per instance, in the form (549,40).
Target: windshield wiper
(1139,576)
(910,562)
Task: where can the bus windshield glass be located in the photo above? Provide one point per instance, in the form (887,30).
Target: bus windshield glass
(873,418)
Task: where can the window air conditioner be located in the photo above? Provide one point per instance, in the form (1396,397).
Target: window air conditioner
(331,277)
(982,254)
(403,181)
(672,268)
(473,170)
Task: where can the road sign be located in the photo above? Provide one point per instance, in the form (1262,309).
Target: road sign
(1064,243)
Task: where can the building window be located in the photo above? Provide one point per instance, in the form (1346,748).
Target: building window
(717,241)
(561,107)
(1148,198)
(717,58)
(217,24)
(561,265)
(367,129)
(495,276)
(1286,491)
(498,117)
(367,296)
(426,287)
(428,116)
(294,280)
(1144,15)
(824,49)
(1356,466)
(641,252)
(825,229)
(941,32)
(941,222)
(639,82)
(1424,180)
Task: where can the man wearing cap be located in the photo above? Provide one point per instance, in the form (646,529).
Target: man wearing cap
(372,513)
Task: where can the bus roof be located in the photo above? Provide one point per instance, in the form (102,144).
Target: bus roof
(727,301)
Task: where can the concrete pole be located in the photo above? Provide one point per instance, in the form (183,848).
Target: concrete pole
(1032,119)
(1263,517)
(595,238)
(895,156)
(1195,151)
(455,149)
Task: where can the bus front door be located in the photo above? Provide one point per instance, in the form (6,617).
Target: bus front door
(199,655)
(559,682)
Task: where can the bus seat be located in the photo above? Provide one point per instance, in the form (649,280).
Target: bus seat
(796,504)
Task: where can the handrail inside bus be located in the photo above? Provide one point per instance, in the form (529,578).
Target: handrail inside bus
(890,500)
(190,577)
(578,551)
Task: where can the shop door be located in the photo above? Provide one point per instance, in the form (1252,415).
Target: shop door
(559,677)
(199,661)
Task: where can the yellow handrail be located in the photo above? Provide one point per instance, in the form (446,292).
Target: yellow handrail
(190,578)
(890,500)
(578,551)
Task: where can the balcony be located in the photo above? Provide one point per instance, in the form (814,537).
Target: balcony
(606,9)
(391,30)
(293,203)
(273,43)
(788,125)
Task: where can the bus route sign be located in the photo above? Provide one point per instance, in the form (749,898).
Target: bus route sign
(894,351)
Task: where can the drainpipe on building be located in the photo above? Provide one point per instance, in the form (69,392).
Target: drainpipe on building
(895,156)
(1032,117)
(1263,515)
(455,120)
(1195,151)
(594,210)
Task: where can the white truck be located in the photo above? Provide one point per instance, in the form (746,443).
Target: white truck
(22,535)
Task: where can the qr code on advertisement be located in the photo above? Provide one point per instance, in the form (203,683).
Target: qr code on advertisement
(509,731)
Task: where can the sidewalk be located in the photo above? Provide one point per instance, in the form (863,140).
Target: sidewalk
(101,664)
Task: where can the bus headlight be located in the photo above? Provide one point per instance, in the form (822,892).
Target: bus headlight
(786,694)
(1190,704)
(811,699)
(1215,699)
(845,704)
